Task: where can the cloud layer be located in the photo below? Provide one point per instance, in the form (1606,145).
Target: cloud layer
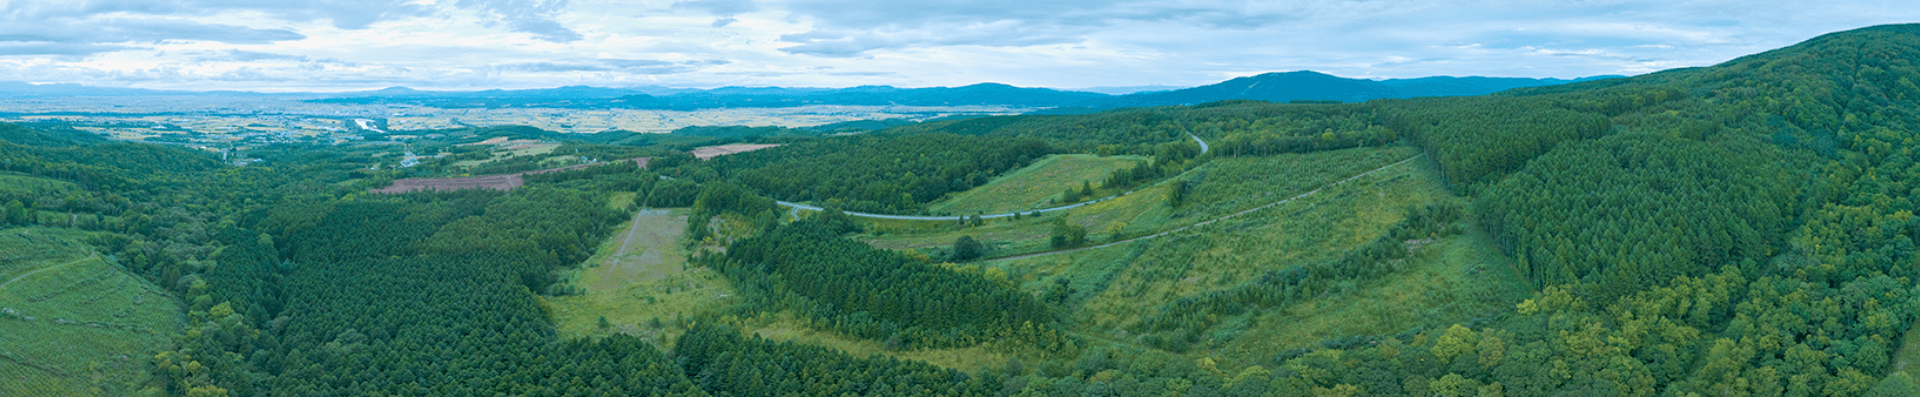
(477,44)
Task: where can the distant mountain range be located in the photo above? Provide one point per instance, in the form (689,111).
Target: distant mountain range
(1275,87)
(1308,85)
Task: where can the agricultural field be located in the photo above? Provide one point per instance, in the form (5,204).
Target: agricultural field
(709,152)
(72,323)
(1035,186)
(517,151)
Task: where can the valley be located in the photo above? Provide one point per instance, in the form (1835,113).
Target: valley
(1744,229)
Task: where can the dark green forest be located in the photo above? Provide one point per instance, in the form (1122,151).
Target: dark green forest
(1744,229)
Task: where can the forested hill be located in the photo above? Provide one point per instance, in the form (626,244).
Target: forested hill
(1316,86)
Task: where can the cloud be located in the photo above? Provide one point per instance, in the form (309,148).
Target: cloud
(724,8)
(30,47)
(527,16)
(105,34)
(356,44)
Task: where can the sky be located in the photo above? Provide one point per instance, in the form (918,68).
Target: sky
(344,45)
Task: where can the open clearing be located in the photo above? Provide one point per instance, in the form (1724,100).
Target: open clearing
(495,182)
(644,282)
(722,150)
(71,322)
(1452,280)
(1221,187)
(648,281)
(1034,186)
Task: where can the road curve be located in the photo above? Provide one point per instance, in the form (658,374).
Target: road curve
(1210,221)
(797,206)
(1196,138)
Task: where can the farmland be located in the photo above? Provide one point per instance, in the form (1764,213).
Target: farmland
(495,182)
(710,152)
(75,323)
(1033,186)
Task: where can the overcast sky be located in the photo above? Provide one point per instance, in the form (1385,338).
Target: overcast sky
(334,45)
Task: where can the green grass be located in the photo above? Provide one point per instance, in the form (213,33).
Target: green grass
(1448,281)
(1313,229)
(80,325)
(650,281)
(1220,187)
(1034,186)
(1909,353)
(646,282)
(1452,281)
(23,185)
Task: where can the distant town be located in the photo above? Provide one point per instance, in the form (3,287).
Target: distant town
(217,121)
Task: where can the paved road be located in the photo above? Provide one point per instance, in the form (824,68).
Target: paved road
(1203,144)
(10,282)
(1310,193)
(797,206)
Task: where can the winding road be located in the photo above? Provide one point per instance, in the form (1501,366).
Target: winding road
(797,206)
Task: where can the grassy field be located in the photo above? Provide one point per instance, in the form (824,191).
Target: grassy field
(1034,186)
(503,153)
(1451,280)
(22,184)
(646,289)
(71,322)
(1221,187)
(639,282)
(1908,358)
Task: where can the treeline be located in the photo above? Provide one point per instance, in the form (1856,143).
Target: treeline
(723,363)
(1478,140)
(887,173)
(879,294)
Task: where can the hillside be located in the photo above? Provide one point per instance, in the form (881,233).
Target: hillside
(1744,229)
(1315,86)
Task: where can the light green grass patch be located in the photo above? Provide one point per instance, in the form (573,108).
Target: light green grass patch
(971,359)
(1220,255)
(1220,187)
(1034,186)
(1451,282)
(646,281)
(1908,358)
(77,326)
(24,185)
